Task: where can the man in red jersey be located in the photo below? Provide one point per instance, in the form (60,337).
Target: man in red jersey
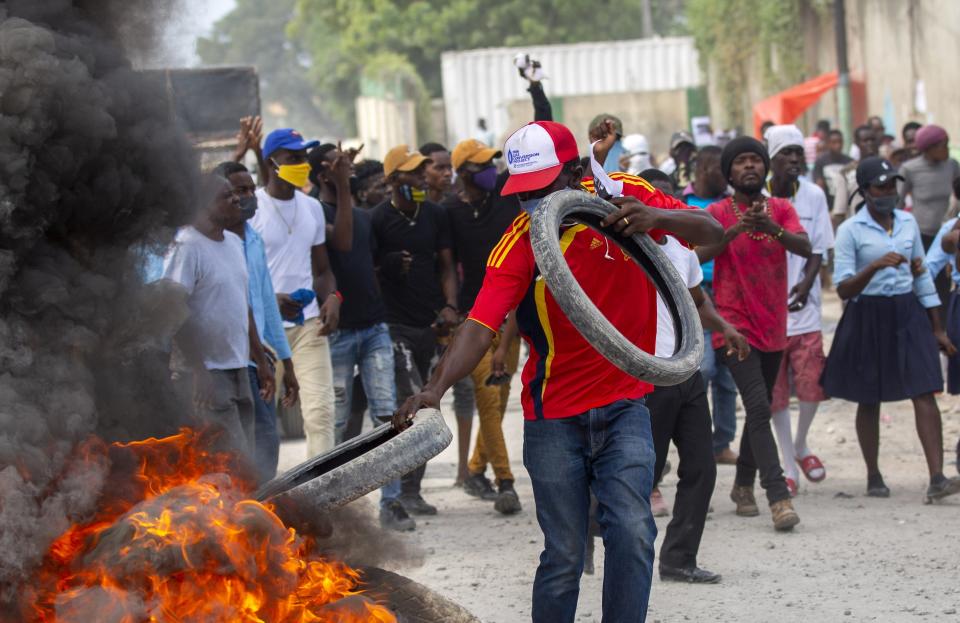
(586,427)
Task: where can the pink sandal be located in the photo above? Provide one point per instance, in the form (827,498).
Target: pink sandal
(810,463)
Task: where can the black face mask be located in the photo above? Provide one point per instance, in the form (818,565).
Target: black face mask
(883,205)
(248,207)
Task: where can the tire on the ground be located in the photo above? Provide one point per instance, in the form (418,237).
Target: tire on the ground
(291,420)
(584,315)
(410,601)
(356,467)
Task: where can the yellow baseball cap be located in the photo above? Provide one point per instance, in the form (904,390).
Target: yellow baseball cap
(472,150)
(400,158)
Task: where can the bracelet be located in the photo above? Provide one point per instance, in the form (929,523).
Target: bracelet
(337,294)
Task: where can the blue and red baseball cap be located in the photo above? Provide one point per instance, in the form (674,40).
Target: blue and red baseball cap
(286,138)
(536,154)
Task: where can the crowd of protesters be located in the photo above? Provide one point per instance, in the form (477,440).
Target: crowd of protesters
(357,287)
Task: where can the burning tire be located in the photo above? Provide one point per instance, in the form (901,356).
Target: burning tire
(357,467)
(590,321)
(409,601)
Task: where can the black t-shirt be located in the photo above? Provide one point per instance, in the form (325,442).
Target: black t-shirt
(477,228)
(356,279)
(415,298)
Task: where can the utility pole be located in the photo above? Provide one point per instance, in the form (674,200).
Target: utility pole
(844,113)
(647,15)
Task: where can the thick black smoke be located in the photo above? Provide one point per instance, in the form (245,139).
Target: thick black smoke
(92,172)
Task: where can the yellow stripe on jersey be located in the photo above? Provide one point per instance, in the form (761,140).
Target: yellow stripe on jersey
(540,297)
(634,180)
(520,226)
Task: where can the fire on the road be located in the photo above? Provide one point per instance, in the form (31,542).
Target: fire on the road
(178,539)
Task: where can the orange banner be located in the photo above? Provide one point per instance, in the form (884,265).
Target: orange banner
(786,106)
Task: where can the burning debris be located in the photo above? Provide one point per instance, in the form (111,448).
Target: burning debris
(180,540)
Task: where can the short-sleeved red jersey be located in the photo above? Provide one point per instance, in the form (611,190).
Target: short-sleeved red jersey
(565,375)
(750,278)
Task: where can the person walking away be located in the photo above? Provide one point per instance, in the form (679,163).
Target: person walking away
(479,216)
(680,413)
(362,340)
(219,338)
(708,187)
(294,235)
(266,316)
(418,282)
(928,181)
(885,347)
(750,283)
(586,427)
(943,251)
(827,170)
(846,202)
(803,359)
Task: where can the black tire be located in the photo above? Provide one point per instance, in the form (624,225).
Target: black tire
(291,420)
(356,467)
(584,315)
(410,601)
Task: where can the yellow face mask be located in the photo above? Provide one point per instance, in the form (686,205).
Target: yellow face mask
(296,174)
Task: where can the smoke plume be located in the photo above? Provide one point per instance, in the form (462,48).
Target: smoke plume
(92,173)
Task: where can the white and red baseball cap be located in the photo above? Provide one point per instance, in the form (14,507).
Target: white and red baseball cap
(535,155)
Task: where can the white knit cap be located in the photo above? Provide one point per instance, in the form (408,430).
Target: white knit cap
(780,136)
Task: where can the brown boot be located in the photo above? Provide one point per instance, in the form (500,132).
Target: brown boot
(726,457)
(784,517)
(742,496)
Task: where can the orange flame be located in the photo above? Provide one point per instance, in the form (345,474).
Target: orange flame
(177,540)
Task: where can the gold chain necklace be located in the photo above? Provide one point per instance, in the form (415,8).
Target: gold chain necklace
(411,220)
(759,237)
(280,214)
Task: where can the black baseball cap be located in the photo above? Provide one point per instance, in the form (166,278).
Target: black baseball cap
(875,171)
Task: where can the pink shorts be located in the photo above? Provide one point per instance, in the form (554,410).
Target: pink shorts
(800,371)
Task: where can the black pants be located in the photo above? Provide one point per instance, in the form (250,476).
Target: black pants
(941,280)
(755,377)
(681,413)
(413,351)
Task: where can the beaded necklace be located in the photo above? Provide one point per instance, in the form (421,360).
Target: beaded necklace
(752,234)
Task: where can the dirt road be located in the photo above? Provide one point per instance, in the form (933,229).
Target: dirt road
(852,558)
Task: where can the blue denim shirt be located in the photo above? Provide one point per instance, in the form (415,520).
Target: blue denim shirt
(263,300)
(938,258)
(860,240)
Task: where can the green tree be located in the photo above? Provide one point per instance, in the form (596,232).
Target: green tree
(255,33)
(346,37)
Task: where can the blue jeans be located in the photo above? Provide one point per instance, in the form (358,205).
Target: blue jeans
(266,438)
(609,451)
(723,396)
(370,350)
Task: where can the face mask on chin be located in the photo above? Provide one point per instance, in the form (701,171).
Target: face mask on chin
(530,205)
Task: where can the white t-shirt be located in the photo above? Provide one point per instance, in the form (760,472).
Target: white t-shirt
(687,264)
(810,202)
(290,229)
(214,274)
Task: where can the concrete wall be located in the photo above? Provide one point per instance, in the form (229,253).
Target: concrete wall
(891,45)
(655,114)
(385,123)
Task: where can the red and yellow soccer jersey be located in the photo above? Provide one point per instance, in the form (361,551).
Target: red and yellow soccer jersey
(564,375)
(641,189)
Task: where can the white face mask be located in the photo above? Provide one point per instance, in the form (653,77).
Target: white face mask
(531,204)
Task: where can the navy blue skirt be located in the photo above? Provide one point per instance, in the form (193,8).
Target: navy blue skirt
(883,351)
(953,332)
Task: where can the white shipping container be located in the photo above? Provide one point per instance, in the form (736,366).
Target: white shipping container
(480,83)
(382,124)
